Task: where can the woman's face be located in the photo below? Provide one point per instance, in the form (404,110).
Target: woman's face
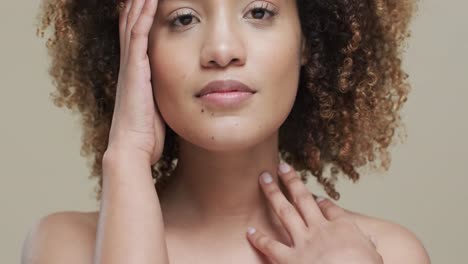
(258,43)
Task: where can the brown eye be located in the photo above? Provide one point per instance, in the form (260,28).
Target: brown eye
(259,12)
(185,19)
(182,20)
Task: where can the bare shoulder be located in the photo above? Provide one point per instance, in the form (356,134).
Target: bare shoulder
(61,237)
(394,242)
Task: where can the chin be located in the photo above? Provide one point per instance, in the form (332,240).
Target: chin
(229,135)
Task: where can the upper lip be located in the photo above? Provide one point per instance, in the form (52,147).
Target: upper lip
(224,86)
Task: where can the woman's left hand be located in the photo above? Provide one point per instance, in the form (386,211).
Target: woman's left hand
(321,232)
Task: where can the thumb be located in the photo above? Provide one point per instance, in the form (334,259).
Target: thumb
(329,209)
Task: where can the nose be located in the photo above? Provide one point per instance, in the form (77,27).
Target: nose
(223,45)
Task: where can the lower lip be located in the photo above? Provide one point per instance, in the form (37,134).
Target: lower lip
(226,99)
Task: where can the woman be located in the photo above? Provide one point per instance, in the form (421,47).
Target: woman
(209,96)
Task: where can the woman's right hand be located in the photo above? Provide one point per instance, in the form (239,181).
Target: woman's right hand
(130,215)
(137,125)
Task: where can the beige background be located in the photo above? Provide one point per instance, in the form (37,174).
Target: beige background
(425,190)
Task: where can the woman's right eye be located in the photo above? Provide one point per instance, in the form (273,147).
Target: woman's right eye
(182,20)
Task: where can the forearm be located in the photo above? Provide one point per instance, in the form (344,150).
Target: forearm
(130,226)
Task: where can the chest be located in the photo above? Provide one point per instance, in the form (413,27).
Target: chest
(205,251)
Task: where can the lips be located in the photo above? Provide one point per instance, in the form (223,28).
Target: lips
(224,86)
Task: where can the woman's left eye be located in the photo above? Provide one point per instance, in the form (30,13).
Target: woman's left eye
(258,12)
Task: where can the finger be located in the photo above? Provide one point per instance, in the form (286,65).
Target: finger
(329,209)
(139,33)
(123,25)
(286,212)
(132,16)
(301,196)
(274,250)
(146,18)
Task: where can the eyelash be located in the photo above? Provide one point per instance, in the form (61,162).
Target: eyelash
(264,7)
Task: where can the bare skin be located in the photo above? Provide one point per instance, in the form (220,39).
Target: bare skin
(215,194)
(54,240)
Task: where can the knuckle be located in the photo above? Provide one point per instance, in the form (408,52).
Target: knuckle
(265,242)
(131,17)
(146,15)
(333,211)
(294,180)
(135,33)
(273,192)
(286,210)
(309,239)
(326,205)
(303,198)
(123,11)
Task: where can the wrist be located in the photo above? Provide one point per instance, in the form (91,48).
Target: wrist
(126,169)
(119,155)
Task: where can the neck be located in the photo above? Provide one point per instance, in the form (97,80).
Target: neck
(220,190)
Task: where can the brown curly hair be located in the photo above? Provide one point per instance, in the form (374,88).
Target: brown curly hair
(349,97)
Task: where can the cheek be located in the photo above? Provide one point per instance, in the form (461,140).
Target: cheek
(278,69)
(170,78)
(167,69)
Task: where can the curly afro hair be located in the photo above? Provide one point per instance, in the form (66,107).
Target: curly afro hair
(349,97)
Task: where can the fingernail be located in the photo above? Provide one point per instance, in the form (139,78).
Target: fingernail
(251,230)
(284,168)
(319,199)
(266,177)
